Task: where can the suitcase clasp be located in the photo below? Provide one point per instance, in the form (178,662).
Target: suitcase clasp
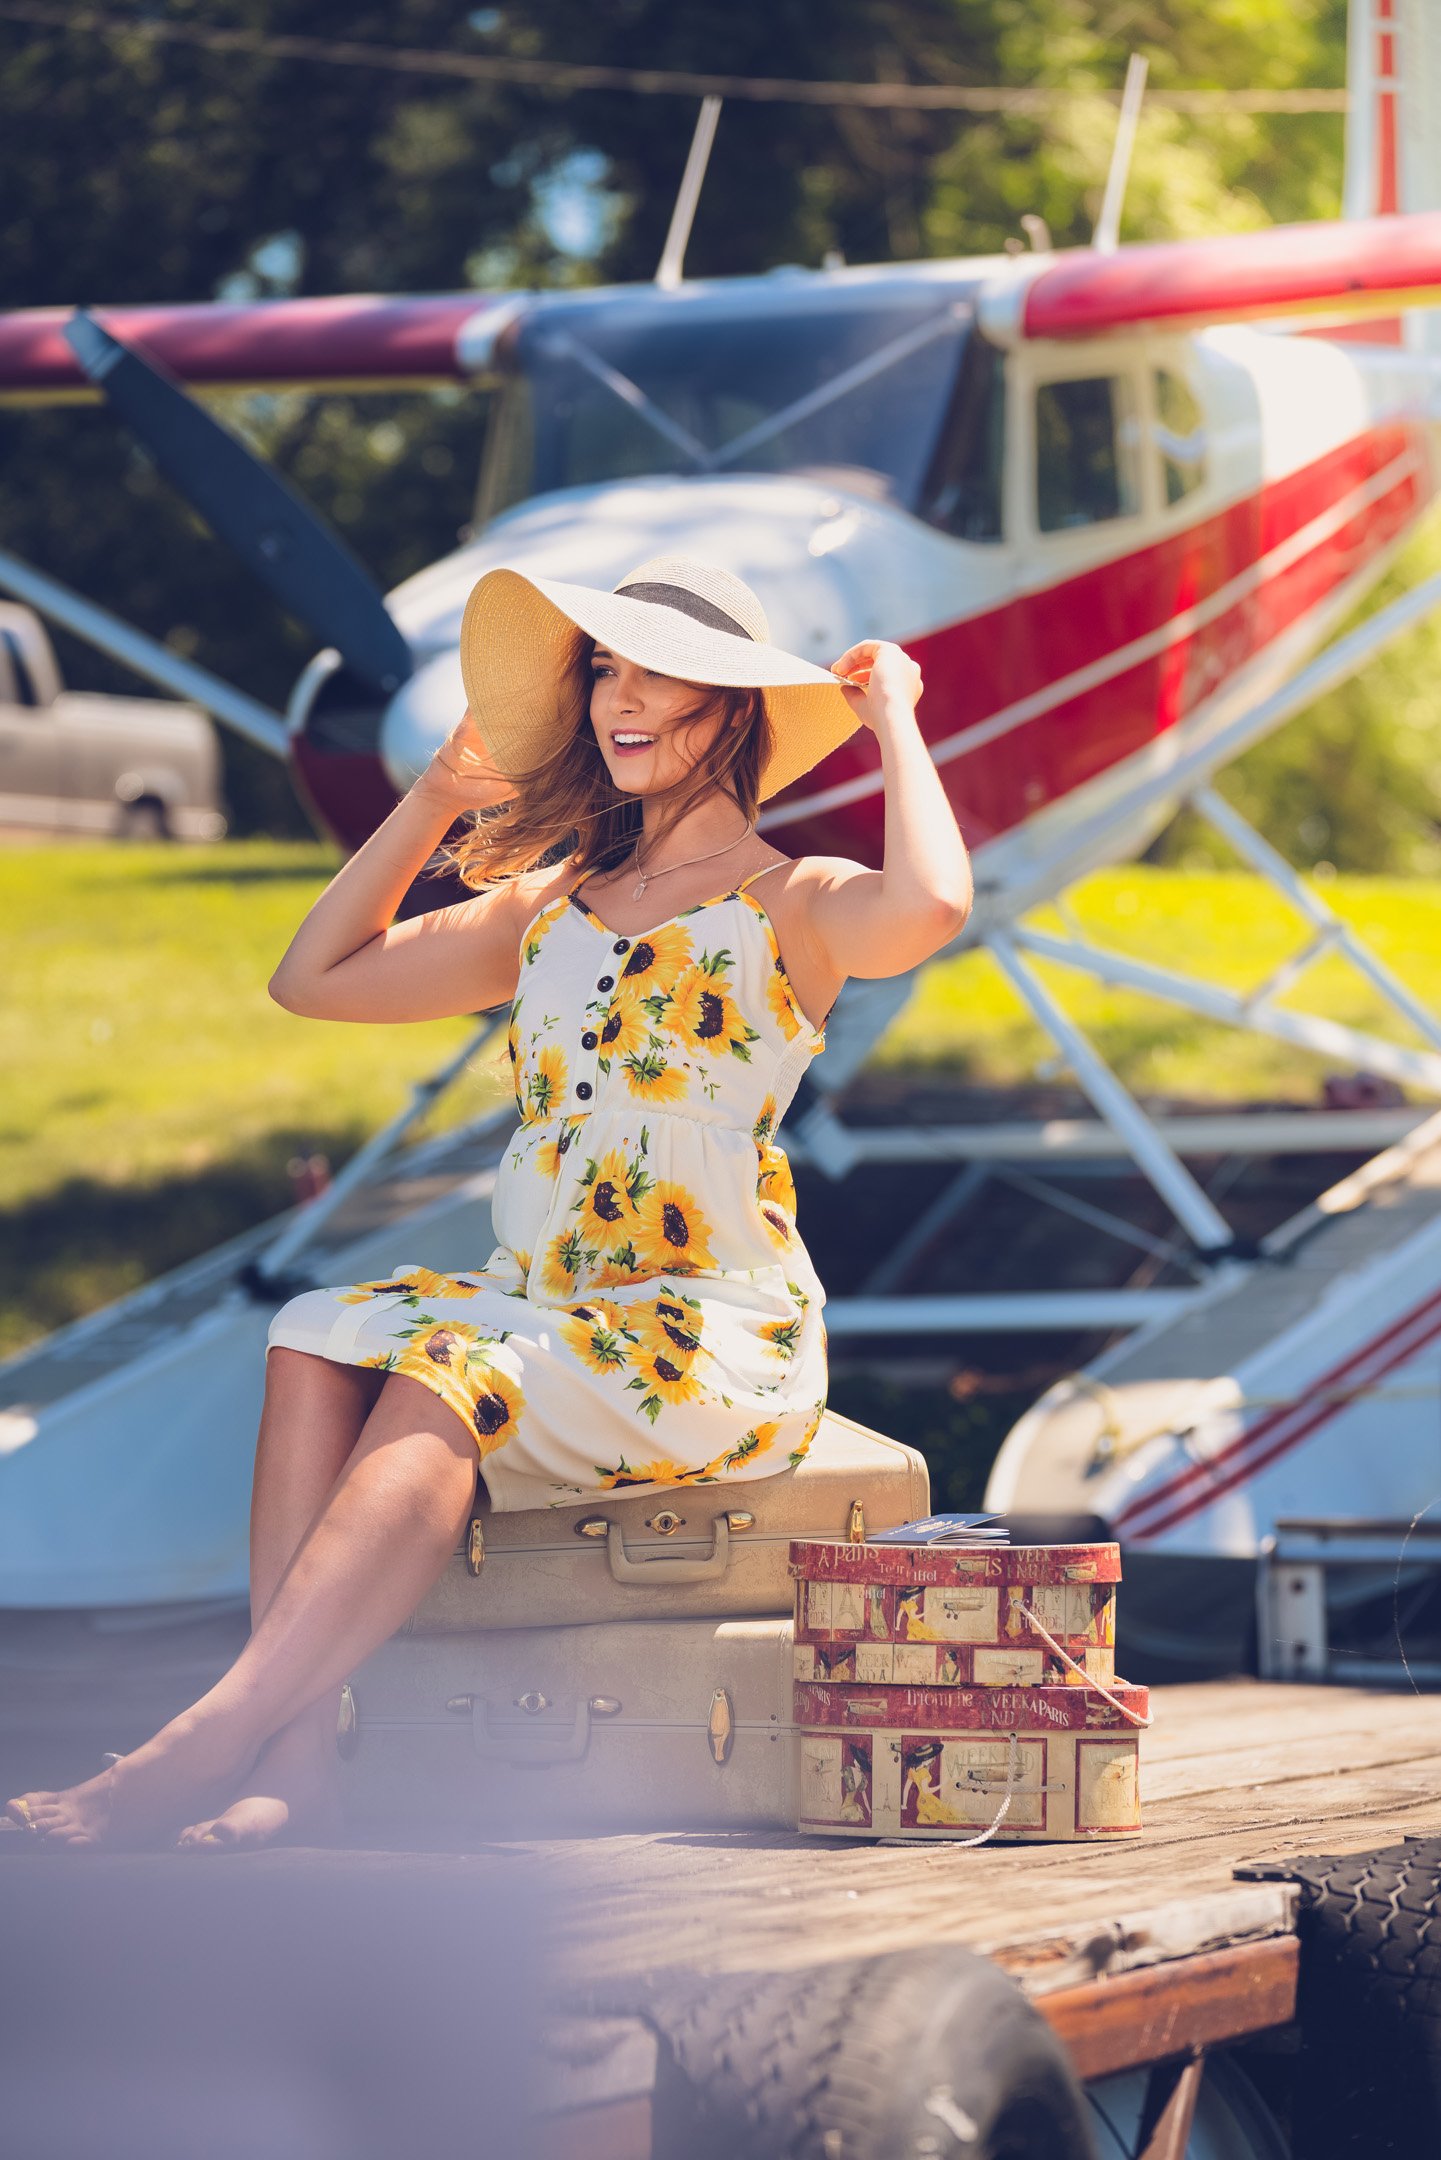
(856,1527)
(347,1724)
(475,1547)
(720,1726)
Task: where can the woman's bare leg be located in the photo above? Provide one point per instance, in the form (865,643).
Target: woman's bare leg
(313,1416)
(382,1538)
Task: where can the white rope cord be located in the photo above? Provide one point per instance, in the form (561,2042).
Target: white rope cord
(1013,1771)
(1081,1673)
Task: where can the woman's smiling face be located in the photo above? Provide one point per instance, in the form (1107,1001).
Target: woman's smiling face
(643,724)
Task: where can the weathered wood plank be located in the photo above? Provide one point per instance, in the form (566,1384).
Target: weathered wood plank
(1187,1927)
(1146,2016)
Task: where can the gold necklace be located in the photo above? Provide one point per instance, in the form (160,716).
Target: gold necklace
(644,877)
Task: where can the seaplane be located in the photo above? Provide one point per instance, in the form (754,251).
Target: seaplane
(1118,500)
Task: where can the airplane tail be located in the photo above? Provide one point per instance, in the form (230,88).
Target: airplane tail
(1393,135)
(1393,124)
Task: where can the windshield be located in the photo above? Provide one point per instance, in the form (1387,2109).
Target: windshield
(851,388)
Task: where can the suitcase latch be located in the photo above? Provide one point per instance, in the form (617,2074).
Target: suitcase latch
(856,1527)
(593,1526)
(741,1518)
(720,1726)
(475,1547)
(532,1702)
(666,1523)
(598,1706)
(347,1725)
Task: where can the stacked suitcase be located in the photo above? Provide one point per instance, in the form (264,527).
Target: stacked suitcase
(618,1665)
(962,1692)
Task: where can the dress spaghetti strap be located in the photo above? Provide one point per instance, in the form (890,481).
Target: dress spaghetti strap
(747,882)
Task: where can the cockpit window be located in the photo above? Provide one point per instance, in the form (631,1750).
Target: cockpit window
(1085,452)
(1180,435)
(853,392)
(963,492)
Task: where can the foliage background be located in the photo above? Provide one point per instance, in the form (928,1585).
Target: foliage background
(132,170)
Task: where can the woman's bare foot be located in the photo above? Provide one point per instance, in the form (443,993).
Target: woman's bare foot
(262,1819)
(80,1815)
(142,1796)
(289,1797)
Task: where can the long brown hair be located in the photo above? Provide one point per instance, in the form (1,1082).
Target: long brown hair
(568,806)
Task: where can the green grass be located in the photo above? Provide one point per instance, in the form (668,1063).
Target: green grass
(1226,927)
(151,1095)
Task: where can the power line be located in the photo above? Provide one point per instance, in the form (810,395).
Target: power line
(646,82)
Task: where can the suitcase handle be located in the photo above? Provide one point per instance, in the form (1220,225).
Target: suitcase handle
(533,1750)
(710,1569)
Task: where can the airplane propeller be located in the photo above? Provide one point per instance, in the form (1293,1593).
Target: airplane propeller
(279,538)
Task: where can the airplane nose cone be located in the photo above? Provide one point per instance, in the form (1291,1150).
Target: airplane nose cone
(419,716)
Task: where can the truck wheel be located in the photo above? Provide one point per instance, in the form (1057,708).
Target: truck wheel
(143,819)
(1232,2121)
(1369,2002)
(930,2052)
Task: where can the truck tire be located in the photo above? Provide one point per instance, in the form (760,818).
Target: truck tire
(1369,2002)
(929,2052)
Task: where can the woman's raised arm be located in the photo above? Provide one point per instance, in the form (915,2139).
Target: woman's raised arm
(881,922)
(350,960)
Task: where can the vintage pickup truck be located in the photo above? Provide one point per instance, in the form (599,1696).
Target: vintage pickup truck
(81,761)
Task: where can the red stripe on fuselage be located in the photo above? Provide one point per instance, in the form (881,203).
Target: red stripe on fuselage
(1284,1429)
(979,666)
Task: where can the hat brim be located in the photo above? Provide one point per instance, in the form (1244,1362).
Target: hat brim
(520,635)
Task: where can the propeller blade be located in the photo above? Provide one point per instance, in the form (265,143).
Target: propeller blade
(246,504)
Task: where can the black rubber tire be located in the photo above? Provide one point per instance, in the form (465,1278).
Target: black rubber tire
(1369,2002)
(931,2053)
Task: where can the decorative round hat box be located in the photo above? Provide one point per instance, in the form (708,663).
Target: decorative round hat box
(963,1693)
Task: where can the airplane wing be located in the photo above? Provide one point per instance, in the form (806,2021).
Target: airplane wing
(1334,270)
(378,342)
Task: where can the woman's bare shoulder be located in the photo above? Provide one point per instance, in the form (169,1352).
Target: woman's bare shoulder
(524,895)
(798,879)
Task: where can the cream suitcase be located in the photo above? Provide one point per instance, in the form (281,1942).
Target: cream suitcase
(635,1725)
(681,1552)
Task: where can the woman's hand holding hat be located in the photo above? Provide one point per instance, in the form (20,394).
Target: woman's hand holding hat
(463,770)
(877,677)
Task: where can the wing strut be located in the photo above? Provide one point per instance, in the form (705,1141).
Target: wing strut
(156,662)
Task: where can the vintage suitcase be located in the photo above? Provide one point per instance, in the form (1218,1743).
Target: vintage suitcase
(645,1724)
(955,1615)
(937,1763)
(683,1552)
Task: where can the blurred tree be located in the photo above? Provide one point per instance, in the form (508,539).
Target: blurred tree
(134,170)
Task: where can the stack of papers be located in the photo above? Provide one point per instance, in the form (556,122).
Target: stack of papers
(945,1530)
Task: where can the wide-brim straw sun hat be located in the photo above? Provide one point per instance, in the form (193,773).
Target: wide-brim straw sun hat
(521,635)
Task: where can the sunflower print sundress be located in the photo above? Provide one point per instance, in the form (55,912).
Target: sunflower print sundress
(649,1317)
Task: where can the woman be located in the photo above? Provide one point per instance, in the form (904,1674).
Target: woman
(649,1317)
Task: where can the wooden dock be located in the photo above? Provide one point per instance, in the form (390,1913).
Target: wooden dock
(1142,1952)
(1136,1952)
